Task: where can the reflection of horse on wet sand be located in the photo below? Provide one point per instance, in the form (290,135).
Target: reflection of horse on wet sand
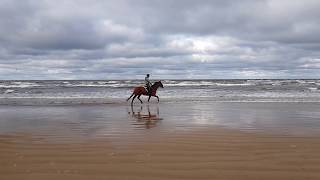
(138,91)
(149,120)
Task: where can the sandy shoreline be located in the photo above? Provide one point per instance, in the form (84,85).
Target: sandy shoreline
(206,154)
(203,140)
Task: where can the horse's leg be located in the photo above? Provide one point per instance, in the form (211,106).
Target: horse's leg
(149,98)
(140,99)
(133,98)
(130,96)
(157,97)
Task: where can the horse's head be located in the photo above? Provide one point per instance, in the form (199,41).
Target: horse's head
(160,84)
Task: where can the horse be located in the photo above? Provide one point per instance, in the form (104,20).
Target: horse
(138,91)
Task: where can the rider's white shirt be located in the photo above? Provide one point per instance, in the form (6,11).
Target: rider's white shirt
(146,79)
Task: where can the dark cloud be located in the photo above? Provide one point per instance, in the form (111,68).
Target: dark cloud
(170,39)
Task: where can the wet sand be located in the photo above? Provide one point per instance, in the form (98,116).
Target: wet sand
(206,154)
(160,142)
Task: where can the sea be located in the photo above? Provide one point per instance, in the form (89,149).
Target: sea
(69,110)
(65,92)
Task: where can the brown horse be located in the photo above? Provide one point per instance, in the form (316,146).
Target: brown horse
(138,91)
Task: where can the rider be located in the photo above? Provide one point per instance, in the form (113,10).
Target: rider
(148,83)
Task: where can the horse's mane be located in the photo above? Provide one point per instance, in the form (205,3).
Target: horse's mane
(155,83)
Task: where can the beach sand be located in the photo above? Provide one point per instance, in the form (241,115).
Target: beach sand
(150,150)
(208,154)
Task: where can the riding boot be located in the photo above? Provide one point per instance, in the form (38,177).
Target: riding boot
(149,91)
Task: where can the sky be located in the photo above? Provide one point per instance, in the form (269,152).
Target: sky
(169,39)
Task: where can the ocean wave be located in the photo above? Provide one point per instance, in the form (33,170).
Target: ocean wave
(203,83)
(213,90)
(314,89)
(8,91)
(113,84)
(166,83)
(18,84)
(189,83)
(234,84)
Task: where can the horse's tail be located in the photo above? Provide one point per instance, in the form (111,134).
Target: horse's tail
(130,96)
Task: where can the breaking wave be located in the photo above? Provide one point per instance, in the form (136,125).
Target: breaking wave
(115,91)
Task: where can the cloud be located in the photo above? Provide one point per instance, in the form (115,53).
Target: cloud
(170,39)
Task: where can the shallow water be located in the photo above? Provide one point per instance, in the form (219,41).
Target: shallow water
(124,123)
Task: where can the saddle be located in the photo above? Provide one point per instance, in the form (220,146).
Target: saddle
(149,90)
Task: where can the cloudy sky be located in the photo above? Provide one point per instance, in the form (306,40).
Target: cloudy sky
(125,39)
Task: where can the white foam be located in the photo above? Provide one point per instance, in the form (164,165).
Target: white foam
(313,89)
(19,85)
(189,83)
(8,91)
(234,84)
